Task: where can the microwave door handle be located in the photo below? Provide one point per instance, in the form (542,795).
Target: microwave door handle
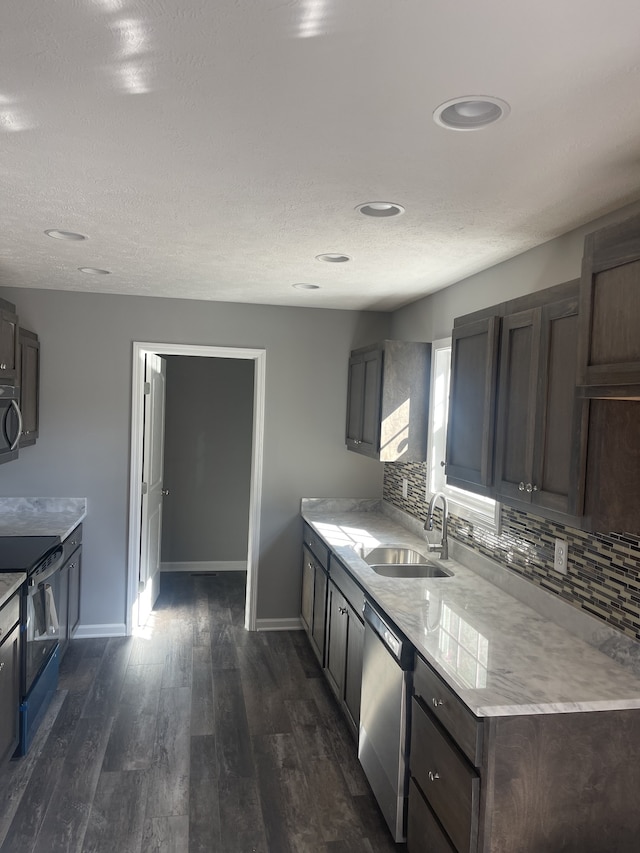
(19,433)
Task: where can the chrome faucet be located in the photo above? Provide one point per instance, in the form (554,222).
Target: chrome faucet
(443,547)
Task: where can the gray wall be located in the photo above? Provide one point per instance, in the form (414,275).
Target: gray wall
(207,459)
(83,451)
(551,263)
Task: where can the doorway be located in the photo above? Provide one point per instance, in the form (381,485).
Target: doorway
(137,532)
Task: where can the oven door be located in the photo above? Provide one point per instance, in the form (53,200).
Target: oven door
(10,422)
(42,619)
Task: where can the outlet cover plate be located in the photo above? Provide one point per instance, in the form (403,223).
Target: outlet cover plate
(560,557)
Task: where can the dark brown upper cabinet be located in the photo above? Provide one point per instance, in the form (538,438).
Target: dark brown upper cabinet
(609,362)
(8,344)
(470,430)
(29,379)
(388,401)
(541,425)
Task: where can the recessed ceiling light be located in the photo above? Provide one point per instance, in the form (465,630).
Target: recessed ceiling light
(304,286)
(471,112)
(94,271)
(333,258)
(380,209)
(64,235)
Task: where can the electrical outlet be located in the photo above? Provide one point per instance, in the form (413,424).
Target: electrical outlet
(560,557)
(405,487)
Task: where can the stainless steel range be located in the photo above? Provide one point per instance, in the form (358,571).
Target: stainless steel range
(41,558)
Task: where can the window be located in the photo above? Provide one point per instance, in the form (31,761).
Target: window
(474,508)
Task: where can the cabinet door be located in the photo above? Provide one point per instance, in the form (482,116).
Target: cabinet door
(62,600)
(470,430)
(517,393)
(353,666)
(319,612)
(558,473)
(610,306)
(363,402)
(9,693)
(75,586)
(8,346)
(336,639)
(306,607)
(29,380)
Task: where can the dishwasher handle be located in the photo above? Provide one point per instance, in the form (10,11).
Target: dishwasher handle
(394,642)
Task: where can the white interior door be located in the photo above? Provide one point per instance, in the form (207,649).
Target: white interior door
(152,471)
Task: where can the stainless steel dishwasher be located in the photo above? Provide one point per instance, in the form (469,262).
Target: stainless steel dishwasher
(383,745)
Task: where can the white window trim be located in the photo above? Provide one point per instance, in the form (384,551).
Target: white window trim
(480,511)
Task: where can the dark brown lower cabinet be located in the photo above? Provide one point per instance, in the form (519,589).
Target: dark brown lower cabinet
(539,783)
(9,677)
(314,602)
(345,643)
(70,588)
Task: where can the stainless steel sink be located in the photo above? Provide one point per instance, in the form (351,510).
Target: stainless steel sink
(411,570)
(394,555)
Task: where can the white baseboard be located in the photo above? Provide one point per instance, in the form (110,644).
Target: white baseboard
(206,566)
(86,632)
(293,624)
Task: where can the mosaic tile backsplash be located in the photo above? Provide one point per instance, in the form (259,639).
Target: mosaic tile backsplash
(603,573)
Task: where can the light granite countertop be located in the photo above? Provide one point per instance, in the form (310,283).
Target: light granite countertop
(41,516)
(498,654)
(9,583)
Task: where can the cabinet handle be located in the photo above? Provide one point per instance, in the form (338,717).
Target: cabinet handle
(342,610)
(437,702)
(433,777)
(521,487)
(1,666)
(3,366)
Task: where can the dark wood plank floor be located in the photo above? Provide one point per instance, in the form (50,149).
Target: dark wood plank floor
(196,737)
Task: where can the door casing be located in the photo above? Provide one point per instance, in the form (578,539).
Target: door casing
(140,350)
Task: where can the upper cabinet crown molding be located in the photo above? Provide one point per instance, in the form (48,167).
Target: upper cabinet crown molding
(609,353)
(388,401)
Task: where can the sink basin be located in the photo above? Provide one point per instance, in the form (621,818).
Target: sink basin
(394,555)
(411,570)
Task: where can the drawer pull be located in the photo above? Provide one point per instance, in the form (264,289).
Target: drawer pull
(342,610)
(437,702)
(433,777)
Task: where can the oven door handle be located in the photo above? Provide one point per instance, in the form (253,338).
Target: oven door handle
(40,577)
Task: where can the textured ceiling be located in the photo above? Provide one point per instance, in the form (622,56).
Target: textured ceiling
(211,148)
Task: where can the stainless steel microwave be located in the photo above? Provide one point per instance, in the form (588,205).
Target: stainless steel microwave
(10,422)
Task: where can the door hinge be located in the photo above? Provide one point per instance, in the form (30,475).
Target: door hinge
(145,488)
(147,388)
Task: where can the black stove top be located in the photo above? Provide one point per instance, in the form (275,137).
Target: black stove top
(23,553)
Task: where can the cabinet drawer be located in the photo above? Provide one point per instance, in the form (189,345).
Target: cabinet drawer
(450,784)
(440,699)
(9,615)
(423,830)
(347,586)
(73,540)
(316,545)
